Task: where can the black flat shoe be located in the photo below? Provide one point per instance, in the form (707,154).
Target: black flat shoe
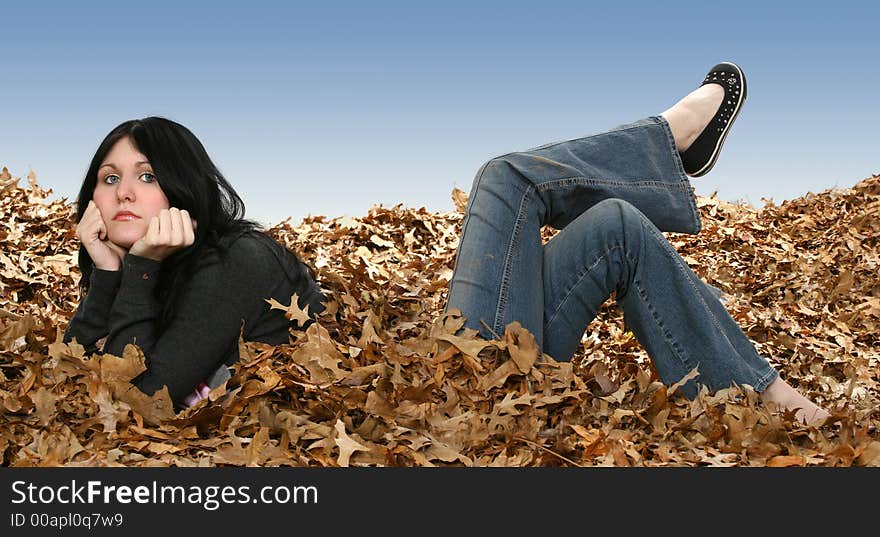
(700,157)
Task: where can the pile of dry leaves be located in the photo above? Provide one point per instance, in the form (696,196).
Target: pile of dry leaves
(382,379)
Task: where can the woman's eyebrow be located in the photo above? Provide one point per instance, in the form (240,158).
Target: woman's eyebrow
(138,163)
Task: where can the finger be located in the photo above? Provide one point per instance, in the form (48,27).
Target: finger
(152,236)
(176,235)
(95,219)
(92,211)
(164,235)
(102,229)
(189,224)
(91,227)
(90,207)
(87,215)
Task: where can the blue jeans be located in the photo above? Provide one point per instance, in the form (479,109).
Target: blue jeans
(610,195)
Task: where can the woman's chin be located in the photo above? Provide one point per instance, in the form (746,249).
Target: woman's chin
(125,239)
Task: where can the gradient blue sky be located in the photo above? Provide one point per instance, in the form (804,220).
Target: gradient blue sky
(329,107)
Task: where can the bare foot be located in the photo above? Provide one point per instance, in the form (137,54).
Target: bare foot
(688,117)
(786,397)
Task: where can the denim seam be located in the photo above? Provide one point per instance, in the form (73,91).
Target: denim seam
(670,251)
(475,189)
(582,180)
(677,351)
(505,275)
(464,226)
(762,381)
(765,380)
(580,278)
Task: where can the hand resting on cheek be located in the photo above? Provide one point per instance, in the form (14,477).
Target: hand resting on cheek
(171,230)
(92,234)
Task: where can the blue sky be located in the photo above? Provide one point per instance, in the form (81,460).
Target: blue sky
(329,107)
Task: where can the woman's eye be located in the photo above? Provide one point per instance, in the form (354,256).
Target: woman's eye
(110,179)
(148,177)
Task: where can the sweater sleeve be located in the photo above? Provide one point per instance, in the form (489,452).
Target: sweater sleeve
(89,323)
(198,339)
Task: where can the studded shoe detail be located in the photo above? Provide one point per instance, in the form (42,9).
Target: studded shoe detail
(702,154)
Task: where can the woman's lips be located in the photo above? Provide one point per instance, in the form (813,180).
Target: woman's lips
(125,216)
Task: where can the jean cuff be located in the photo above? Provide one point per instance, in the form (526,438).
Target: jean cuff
(676,159)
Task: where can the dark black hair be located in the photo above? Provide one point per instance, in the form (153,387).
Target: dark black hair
(190,181)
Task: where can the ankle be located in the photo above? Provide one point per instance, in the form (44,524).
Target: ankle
(691,114)
(785,397)
(677,124)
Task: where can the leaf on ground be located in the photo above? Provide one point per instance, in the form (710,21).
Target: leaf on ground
(346,445)
(292,311)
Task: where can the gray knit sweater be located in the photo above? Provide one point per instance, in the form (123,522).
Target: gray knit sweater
(225,296)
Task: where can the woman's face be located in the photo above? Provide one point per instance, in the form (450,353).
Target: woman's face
(127,194)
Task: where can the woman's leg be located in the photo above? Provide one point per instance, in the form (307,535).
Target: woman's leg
(682,325)
(498,269)
(500,266)
(613,247)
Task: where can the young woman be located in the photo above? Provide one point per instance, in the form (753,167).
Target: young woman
(611,195)
(169,263)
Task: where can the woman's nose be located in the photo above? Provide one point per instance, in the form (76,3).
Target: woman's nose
(125,190)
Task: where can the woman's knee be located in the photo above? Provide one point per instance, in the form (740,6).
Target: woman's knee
(486,174)
(616,216)
(494,169)
(499,182)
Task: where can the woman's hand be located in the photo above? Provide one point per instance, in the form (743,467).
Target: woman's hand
(92,233)
(173,229)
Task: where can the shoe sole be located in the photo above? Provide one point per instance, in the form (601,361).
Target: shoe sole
(718,145)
